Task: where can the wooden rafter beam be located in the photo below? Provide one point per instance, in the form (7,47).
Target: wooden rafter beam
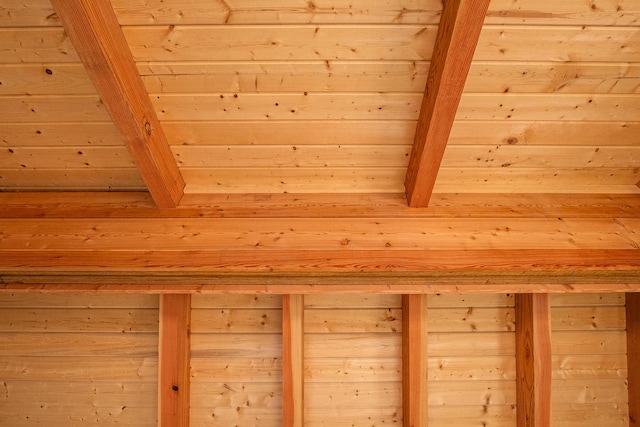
(456,41)
(174,354)
(414,360)
(292,360)
(633,355)
(533,360)
(95,32)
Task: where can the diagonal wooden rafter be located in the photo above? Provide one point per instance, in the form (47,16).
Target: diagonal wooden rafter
(96,34)
(456,41)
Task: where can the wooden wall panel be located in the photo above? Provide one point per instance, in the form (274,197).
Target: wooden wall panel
(338,354)
(236,351)
(589,357)
(471,360)
(91,364)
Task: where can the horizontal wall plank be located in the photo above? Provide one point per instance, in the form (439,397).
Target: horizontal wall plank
(594,390)
(352,301)
(360,345)
(214,370)
(236,300)
(584,300)
(95,320)
(489,415)
(232,416)
(464,393)
(446,344)
(588,342)
(69,414)
(591,318)
(602,366)
(45,79)
(591,415)
(31,396)
(78,344)
(78,300)
(248,345)
(351,395)
(102,369)
(352,417)
(236,321)
(234,394)
(471,319)
(353,320)
(471,368)
(40,13)
(468,301)
(335,370)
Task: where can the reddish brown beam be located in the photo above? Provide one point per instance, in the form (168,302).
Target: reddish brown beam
(174,360)
(95,32)
(633,356)
(456,41)
(414,360)
(292,361)
(533,360)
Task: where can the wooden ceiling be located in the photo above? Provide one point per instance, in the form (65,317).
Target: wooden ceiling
(288,132)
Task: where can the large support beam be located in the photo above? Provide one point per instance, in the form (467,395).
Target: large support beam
(633,356)
(293,360)
(174,360)
(414,360)
(456,42)
(95,32)
(533,360)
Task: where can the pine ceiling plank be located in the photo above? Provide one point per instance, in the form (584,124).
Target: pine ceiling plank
(458,34)
(99,41)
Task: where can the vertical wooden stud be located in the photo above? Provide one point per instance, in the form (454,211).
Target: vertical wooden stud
(414,360)
(174,360)
(293,360)
(633,356)
(533,360)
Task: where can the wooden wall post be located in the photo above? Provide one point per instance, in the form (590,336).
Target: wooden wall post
(414,360)
(533,360)
(633,356)
(174,360)
(293,360)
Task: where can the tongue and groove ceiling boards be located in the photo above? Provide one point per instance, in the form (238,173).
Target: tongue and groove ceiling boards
(324,97)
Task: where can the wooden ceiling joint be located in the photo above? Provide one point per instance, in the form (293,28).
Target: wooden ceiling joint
(456,41)
(94,30)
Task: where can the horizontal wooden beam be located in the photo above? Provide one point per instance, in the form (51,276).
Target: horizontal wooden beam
(141,205)
(95,32)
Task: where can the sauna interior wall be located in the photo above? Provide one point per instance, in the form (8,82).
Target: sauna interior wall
(92,359)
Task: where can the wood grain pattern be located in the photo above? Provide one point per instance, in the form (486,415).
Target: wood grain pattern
(414,361)
(456,41)
(293,361)
(533,360)
(633,353)
(98,38)
(174,360)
